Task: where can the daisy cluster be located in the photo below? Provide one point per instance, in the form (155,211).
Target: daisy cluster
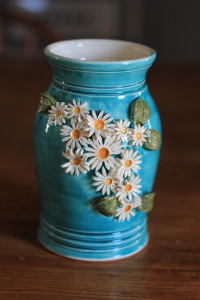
(95,142)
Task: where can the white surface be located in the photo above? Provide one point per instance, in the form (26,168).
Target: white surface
(99,50)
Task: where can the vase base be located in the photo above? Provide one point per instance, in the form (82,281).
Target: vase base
(59,252)
(93,247)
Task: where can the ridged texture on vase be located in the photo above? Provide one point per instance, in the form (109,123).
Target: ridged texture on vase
(99,246)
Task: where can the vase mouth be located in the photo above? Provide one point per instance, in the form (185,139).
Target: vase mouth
(99,63)
(99,51)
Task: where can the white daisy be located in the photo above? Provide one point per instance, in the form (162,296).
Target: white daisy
(99,124)
(129,162)
(57,114)
(100,152)
(105,182)
(138,135)
(126,210)
(77,162)
(75,135)
(77,110)
(122,131)
(129,188)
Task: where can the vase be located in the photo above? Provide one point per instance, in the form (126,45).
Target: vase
(96,143)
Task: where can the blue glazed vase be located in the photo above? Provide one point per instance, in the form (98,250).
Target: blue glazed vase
(96,190)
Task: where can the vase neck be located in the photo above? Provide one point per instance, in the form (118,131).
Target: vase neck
(103,82)
(98,90)
(105,76)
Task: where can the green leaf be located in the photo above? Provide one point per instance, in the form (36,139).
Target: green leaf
(140,111)
(107,206)
(46,100)
(147,202)
(153,140)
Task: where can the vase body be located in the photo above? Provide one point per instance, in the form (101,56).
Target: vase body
(69,224)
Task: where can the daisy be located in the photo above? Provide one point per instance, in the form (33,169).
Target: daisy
(100,152)
(122,131)
(99,124)
(105,182)
(129,188)
(126,210)
(77,162)
(77,110)
(138,136)
(57,114)
(129,162)
(75,135)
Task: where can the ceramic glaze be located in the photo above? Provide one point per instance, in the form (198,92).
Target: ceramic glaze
(109,75)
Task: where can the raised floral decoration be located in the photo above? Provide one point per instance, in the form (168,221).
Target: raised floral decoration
(108,150)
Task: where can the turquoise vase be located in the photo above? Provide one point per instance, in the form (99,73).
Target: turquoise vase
(97,212)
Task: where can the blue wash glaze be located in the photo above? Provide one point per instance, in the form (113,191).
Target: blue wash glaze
(69,224)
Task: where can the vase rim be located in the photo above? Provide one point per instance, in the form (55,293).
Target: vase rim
(105,52)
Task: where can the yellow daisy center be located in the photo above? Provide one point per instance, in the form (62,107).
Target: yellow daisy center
(128,163)
(76,110)
(76,161)
(75,134)
(127,208)
(127,188)
(138,135)
(99,124)
(108,181)
(103,153)
(123,130)
(58,113)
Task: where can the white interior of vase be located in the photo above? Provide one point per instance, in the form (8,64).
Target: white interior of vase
(99,50)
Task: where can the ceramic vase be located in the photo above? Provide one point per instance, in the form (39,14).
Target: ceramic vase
(97,143)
